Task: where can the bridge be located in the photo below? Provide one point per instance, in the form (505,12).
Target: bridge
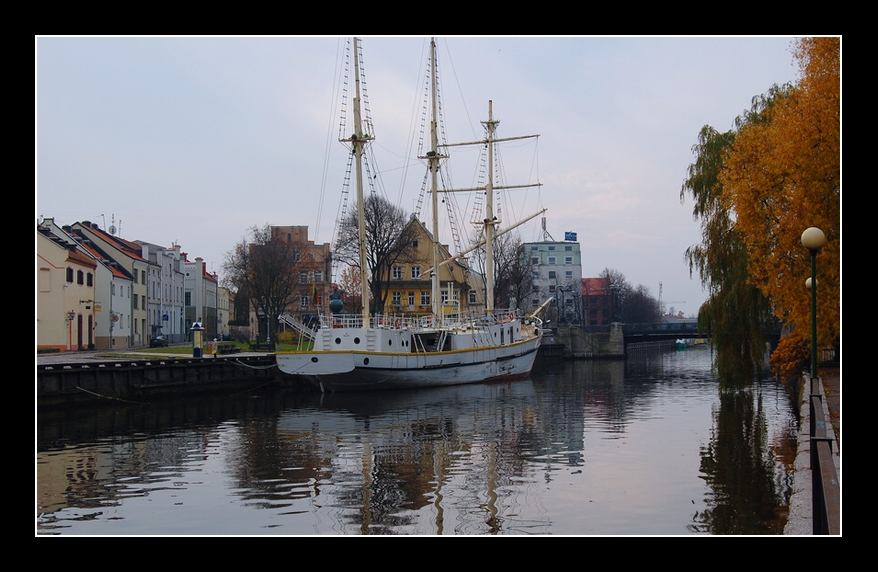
(636,333)
(612,341)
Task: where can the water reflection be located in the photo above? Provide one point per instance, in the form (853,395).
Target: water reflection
(638,447)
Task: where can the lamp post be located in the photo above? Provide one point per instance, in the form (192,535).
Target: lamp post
(813,239)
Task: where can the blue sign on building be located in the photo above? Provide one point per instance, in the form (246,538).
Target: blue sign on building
(570,236)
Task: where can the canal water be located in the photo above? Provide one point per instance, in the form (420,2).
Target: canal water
(648,446)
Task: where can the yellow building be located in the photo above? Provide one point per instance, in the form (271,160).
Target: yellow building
(409,290)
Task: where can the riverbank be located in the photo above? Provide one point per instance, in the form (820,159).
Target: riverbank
(800,515)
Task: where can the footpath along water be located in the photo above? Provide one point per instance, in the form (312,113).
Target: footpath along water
(646,446)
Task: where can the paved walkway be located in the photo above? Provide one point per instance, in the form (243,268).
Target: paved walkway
(800,521)
(100,355)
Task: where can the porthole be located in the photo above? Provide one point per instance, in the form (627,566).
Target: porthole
(389,342)
(337,341)
(314,359)
(357,341)
(365,361)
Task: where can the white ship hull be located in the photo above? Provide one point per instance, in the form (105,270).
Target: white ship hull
(464,357)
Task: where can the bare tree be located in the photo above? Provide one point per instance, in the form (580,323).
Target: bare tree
(619,289)
(630,304)
(513,278)
(641,307)
(389,239)
(266,273)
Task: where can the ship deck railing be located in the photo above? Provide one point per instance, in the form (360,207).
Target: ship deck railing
(419,322)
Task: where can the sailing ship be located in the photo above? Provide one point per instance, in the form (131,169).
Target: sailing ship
(364,352)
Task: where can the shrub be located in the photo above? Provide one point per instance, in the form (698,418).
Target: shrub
(790,358)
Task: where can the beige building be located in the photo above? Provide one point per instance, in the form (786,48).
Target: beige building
(65,294)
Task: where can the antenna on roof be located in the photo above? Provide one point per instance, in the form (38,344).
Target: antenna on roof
(546,236)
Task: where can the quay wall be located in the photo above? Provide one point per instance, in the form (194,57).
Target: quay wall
(572,342)
(61,384)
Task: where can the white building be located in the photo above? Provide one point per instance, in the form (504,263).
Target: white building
(200,297)
(165,291)
(557,273)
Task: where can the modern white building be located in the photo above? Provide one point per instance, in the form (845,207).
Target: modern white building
(557,273)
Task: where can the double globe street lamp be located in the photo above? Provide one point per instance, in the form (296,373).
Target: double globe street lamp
(813,239)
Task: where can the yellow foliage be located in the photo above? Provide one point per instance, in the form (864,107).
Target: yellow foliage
(783,175)
(790,358)
(287,337)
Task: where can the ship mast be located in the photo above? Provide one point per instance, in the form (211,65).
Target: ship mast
(490,219)
(359,140)
(434,157)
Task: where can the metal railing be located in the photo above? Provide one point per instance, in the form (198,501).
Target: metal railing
(825,489)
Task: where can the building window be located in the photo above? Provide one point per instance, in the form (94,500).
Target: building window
(552,260)
(472,296)
(303,277)
(568,274)
(568,260)
(534,260)
(551,274)
(425,298)
(397,272)
(568,248)
(411,298)
(397,298)
(551,248)
(551,287)
(134,302)
(70,275)
(305,301)
(188,297)
(416,272)
(318,276)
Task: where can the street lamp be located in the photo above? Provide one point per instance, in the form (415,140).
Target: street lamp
(813,239)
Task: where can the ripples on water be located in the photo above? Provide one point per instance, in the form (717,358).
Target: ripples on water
(646,446)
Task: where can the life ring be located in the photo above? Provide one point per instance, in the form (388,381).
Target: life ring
(511,315)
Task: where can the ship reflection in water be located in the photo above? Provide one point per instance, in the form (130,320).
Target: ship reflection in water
(636,447)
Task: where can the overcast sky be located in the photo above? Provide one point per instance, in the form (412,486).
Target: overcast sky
(194,140)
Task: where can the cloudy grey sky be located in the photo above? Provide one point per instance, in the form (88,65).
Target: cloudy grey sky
(194,140)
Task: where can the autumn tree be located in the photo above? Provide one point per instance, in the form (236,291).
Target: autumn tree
(389,240)
(756,188)
(266,273)
(783,175)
